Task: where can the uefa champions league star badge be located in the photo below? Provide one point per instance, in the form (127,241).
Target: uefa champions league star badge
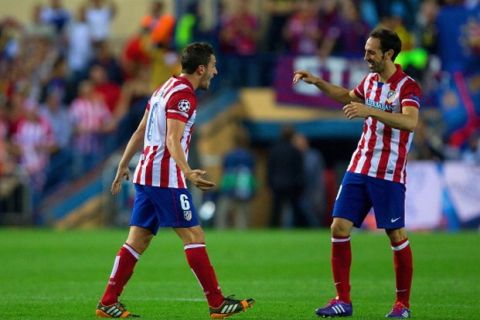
(184,105)
(187,215)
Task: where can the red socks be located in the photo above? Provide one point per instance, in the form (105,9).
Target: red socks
(402,261)
(341,261)
(199,262)
(197,258)
(122,271)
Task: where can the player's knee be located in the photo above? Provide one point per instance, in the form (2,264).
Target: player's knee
(197,236)
(339,229)
(139,244)
(191,235)
(396,235)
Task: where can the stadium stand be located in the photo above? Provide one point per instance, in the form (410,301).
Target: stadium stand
(43,181)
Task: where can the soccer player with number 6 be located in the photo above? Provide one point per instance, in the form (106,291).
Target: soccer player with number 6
(162,198)
(388,100)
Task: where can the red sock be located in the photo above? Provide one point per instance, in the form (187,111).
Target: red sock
(402,260)
(341,261)
(199,262)
(122,271)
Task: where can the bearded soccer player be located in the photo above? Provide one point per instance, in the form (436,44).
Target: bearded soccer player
(162,198)
(388,100)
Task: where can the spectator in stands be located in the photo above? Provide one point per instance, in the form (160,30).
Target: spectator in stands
(425,28)
(329,28)
(134,96)
(33,142)
(56,15)
(346,36)
(9,50)
(313,198)
(91,117)
(238,44)
(413,60)
(57,81)
(273,41)
(99,16)
(108,90)
(135,53)
(302,32)
(286,179)
(104,57)
(6,161)
(79,47)
(160,25)
(4,122)
(10,190)
(35,65)
(237,187)
(278,12)
(16,102)
(187,28)
(425,56)
(57,115)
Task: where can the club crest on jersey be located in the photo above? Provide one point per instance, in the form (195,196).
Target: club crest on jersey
(187,215)
(184,105)
(391,96)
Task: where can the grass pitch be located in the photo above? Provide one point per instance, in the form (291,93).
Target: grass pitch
(47,274)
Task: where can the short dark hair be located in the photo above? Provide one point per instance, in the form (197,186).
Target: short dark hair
(388,40)
(194,55)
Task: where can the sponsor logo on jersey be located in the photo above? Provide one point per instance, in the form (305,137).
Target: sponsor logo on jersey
(379,105)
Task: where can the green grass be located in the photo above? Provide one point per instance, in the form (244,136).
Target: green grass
(48,274)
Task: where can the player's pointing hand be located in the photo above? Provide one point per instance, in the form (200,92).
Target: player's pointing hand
(304,76)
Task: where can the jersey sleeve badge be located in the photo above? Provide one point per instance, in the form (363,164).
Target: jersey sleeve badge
(184,105)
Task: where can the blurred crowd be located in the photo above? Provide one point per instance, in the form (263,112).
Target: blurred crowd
(69,95)
(64,93)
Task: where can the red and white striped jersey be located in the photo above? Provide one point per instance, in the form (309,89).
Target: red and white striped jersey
(175,99)
(89,115)
(32,137)
(382,150)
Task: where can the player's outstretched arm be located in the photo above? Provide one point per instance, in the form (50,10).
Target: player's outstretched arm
(135,143)
(175,129)
(337,93)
